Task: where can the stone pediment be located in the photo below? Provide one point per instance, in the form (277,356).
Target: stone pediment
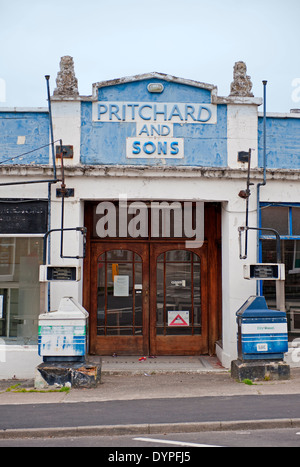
(154,75)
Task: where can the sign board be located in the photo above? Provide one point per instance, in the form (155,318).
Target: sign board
(155,134)
(264,272)
(178,318)
(60,273)
(23,216)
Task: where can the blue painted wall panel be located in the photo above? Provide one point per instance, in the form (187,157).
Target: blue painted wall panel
(283,143)
(137,91)
(34,126)
(205,145)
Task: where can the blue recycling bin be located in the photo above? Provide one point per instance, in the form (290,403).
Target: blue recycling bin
(262,333)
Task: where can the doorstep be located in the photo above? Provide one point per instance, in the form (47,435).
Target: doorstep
(154,365)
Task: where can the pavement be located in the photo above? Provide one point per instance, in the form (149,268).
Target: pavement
(129,379)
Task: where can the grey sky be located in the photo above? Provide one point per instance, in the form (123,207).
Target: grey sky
(194,39)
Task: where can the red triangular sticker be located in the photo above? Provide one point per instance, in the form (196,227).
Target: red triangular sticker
(178,321)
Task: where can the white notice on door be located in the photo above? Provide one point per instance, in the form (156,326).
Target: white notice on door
(121,286)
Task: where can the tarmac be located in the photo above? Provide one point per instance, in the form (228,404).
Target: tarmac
(130,378)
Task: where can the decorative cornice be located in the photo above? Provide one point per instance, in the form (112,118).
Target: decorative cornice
(88,171)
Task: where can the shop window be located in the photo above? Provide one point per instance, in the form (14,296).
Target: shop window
(286,220)
(20,259)
(292,282)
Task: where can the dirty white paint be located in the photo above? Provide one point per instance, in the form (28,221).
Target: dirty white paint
(21,140)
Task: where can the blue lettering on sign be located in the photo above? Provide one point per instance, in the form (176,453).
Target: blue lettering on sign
(174,148)
(141,114)
(113,110)
(100,112)
(189,111)
(159,130)
(155,129)
(162,148)
(133,106)
(136,147)
(149,151)
(126,112)
(159,112)
(144,130)
(155,148)
(163,128)
(175,112)
(199,119)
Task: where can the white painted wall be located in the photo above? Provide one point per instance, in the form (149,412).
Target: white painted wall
(18,360)
(242,130)
(66,126)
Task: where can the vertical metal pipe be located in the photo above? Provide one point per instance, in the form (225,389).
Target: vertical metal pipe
(264,150)
(63,194)
(49,185)
(51,125)
(248,193)
(265,131)
(259,185)
(49,246)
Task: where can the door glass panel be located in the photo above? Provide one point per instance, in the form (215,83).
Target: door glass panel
(119,302)
(296,221)
(160,296)
(119,255)
(178,294)
(138,296)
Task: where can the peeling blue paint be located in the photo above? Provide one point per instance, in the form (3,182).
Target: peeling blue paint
(33,128)
(205,145)
(137,91)
(283,143)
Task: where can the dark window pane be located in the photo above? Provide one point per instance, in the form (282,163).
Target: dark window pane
(296,221)
(275,217)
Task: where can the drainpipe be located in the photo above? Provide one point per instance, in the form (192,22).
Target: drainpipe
(47,77)
(51,125)
(259,185)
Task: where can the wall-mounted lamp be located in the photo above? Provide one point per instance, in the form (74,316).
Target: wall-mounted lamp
(244,194)
(155,87)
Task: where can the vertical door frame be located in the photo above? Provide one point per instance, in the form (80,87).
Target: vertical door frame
(183,344)
(127,344)
(214,270)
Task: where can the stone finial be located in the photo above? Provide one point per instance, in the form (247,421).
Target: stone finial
(66,81)
(241,85)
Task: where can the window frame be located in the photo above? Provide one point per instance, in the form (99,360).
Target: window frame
(13,285)
(290,235)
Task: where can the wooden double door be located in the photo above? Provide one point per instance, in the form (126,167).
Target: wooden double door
(148,299)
